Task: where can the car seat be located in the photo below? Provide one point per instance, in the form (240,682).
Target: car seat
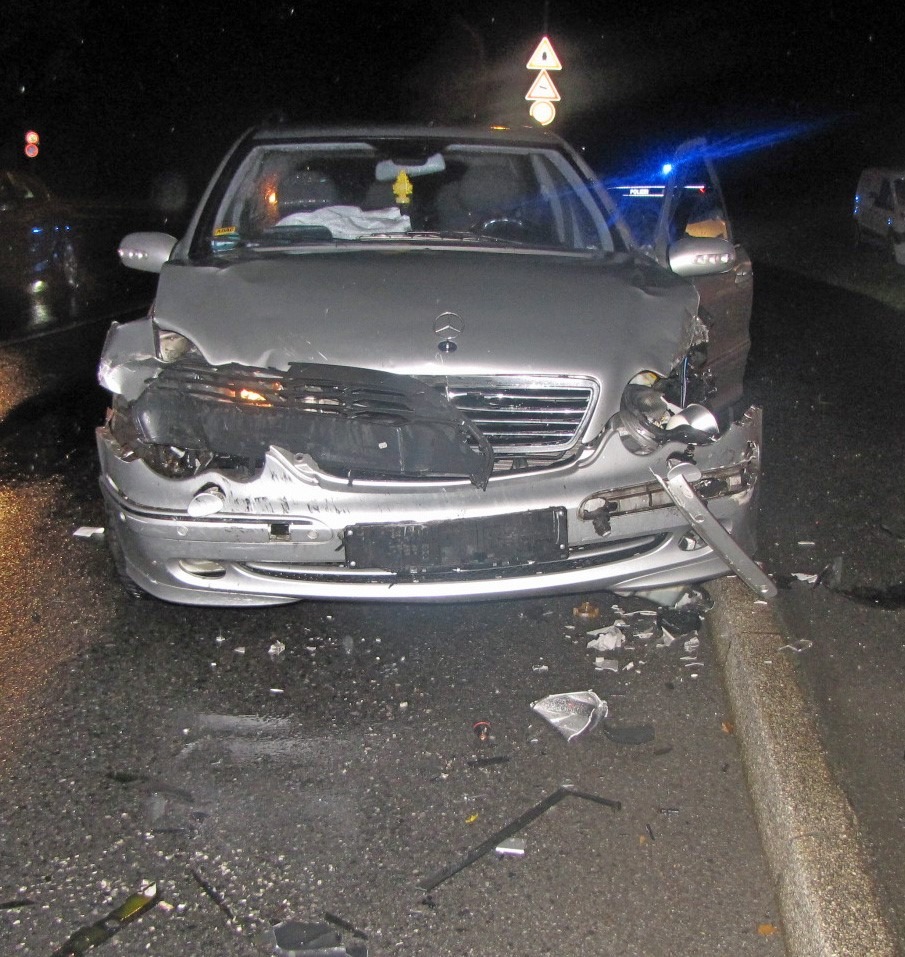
(485,191)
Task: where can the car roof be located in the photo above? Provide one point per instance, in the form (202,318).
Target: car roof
(489,135)
(895,172)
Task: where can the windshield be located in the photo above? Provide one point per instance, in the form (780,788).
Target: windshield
(291,194)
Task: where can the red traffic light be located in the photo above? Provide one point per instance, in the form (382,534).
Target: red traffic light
(31,144)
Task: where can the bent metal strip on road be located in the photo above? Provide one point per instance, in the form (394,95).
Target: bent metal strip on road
(826,892)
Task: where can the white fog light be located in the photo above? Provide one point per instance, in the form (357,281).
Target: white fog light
(202,567)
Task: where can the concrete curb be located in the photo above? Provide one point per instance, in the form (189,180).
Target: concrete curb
(826,893)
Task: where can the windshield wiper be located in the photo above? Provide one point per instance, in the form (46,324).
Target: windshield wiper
(446,234)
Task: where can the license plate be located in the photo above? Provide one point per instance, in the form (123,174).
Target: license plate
(519,538)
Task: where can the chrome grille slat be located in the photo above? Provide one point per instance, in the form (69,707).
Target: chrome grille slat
(524,415)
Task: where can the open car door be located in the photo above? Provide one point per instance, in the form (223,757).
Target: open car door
(693,206)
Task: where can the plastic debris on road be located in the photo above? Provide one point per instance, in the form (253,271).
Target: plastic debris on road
(572,713)
(90,936)
(481,730)
(88,531)
(606,664)
(276,649)
(512,847)
(606,639)
(586,610)
(433,881)
(293,938)
(806,577)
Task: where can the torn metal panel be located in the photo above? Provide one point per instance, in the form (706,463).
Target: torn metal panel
(677,485)
(128,360)
(347,420)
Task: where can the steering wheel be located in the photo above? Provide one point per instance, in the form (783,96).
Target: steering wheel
(502,227)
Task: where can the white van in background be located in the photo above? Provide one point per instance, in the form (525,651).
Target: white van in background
(879,210)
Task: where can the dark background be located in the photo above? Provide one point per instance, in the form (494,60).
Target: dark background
(124,93)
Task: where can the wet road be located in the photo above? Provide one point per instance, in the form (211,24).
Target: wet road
(319,759)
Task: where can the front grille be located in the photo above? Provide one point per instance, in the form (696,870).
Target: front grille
(524,415)
(349,393)
(529,421)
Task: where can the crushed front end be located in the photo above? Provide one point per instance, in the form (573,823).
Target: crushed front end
(233,485)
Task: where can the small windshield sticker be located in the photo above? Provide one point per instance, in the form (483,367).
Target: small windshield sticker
(225,230)
(402,188)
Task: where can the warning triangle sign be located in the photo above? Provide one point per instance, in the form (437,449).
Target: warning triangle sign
(544,58)
(543,89)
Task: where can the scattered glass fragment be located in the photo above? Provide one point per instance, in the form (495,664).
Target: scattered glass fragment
(512,847)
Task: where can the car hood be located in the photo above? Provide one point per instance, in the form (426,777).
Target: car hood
(604,317)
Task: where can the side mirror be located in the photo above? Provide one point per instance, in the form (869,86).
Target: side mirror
(701,257)
(146,251)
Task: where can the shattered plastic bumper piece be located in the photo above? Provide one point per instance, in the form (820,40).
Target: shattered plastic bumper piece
(293,938)
(571,713)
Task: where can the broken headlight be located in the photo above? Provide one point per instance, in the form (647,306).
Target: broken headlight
(658,409)
(171,346)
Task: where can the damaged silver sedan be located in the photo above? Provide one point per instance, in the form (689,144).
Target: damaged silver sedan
(425,363)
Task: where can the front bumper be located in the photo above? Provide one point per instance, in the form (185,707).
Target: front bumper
(281,536)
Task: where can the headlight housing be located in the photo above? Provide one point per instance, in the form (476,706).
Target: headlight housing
(171,346)
(655,410)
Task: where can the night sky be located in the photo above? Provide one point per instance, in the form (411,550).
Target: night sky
(123,92)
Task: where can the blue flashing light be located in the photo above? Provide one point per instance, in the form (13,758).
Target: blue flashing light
(737,143)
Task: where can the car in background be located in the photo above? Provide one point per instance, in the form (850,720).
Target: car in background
(879,210)
(420,363)
(58,258)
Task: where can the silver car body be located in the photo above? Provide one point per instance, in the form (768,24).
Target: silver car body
(372,399)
